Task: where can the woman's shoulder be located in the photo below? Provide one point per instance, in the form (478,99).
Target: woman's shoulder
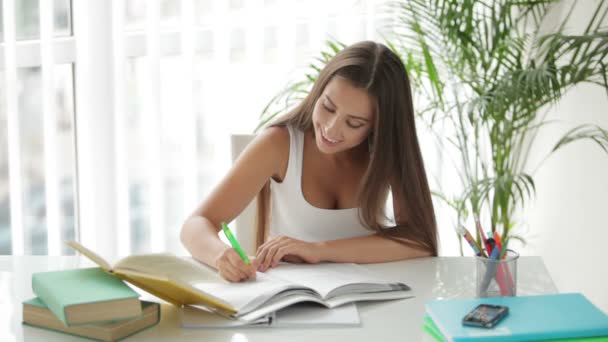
(277,134)
(276,137)
(275,141)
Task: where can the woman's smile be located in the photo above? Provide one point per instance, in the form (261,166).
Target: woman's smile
(327,140)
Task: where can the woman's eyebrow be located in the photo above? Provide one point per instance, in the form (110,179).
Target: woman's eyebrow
(330,100)
(350,115)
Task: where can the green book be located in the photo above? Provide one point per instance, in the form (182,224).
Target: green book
(86,295)
(432,329)
(37,314)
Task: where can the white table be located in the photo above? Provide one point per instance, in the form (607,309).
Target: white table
(401,320)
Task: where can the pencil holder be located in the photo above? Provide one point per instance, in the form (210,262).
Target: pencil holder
(497,277)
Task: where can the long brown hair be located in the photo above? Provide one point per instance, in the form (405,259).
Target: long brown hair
(395,158)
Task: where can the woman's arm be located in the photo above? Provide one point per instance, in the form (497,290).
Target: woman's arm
(360,250)
(262,159)
(365,249)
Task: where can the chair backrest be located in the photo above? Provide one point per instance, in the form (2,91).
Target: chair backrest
(244,224)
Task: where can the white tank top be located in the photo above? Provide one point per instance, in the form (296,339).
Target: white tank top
(290,213)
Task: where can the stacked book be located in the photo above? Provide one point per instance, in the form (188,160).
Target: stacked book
(87,302)
(554,317)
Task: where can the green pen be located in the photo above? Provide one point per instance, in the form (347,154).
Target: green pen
(234,243)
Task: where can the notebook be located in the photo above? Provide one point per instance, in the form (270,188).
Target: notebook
(531,318)
(301,315)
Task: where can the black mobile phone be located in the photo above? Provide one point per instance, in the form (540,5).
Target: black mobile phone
(485,315)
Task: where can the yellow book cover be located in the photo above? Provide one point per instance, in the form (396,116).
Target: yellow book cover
(164,275)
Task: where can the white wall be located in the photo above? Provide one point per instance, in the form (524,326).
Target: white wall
(568,221)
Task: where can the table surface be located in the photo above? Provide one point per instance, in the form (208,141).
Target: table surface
(430,278)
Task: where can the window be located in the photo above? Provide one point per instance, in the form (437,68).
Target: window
(37,163)
(33,151)
(161,85)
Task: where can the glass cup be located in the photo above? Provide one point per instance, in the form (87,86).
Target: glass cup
(497,277)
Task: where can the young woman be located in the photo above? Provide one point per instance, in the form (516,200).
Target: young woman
(322,174)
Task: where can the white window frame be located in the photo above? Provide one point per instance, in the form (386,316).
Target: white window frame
(95,212)
(99,57)
(99,49)
(43,53)
(94,124)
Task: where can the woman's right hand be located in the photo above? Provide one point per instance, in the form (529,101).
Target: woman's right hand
(232,268)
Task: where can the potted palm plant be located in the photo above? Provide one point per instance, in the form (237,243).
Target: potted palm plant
(484,73)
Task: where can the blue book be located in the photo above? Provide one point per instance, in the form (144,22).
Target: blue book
(431,328)
(530,318)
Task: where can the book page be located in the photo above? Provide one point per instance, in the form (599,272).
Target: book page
(248,295)
(90,254)
(169,266)
(326,277)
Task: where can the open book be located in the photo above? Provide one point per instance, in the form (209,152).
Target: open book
(328,284)
(166,276)
(184,281)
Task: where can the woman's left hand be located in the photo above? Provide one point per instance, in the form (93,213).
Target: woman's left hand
(285,248)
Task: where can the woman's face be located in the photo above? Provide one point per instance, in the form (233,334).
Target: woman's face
(343,116)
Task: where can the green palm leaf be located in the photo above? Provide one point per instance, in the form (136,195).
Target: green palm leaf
(594,133)
(482,70)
